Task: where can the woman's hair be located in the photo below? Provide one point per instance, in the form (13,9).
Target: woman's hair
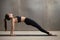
(5,21)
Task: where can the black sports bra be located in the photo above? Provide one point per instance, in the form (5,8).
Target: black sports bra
(18,18)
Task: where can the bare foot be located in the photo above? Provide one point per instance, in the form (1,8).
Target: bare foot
(50,34)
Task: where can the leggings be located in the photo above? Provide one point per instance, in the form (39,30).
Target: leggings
(33,23)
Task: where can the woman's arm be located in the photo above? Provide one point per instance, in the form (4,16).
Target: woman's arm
(12,26)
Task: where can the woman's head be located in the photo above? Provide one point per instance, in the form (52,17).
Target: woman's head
(8,16)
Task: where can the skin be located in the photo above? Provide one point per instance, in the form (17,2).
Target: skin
(13,21)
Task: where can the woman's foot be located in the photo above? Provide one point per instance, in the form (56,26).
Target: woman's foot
(49,34)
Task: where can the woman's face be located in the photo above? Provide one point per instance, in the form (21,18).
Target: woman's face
(10,15)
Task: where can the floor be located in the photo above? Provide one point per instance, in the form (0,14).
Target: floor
(29,35)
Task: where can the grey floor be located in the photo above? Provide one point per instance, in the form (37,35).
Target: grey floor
(29,35)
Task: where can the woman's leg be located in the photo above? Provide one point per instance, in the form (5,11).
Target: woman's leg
(33,23)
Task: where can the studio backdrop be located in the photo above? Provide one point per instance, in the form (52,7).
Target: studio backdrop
(45,12)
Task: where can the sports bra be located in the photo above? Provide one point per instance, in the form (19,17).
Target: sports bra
(18,18)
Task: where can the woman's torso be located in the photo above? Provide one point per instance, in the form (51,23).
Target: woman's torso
(19,19)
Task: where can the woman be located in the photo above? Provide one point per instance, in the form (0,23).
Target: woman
(19,19)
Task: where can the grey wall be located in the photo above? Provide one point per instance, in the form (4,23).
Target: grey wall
(44,12)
